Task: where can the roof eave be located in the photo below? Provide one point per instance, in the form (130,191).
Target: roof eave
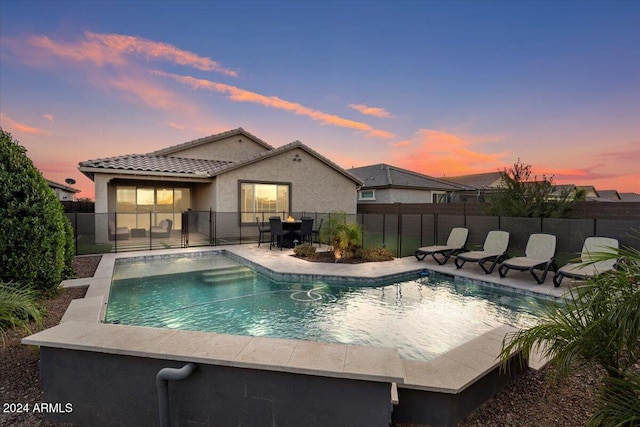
(90,172)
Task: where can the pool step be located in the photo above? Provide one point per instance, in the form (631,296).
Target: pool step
(228,274)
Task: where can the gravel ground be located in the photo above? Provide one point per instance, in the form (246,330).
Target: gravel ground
(531,400)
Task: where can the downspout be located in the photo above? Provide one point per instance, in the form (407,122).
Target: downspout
(162,380)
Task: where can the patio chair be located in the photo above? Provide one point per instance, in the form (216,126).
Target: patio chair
(539,255)
(315,234)
(262,230)
(493,251)
(455,244)
(163,229)
(277,233)
(588,268)
(118,233)
(306,230)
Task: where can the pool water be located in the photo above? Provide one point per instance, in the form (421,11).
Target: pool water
(422,318)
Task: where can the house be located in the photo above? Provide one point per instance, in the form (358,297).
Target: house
(63,192)
(234,172)
(384,183)
(629,197)
(609,195)
(477,185)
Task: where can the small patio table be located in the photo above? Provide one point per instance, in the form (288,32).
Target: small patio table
(289,237)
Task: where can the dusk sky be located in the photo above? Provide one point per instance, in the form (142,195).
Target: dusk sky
(441,88)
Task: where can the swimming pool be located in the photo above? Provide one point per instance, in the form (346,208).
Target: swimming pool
(422,317)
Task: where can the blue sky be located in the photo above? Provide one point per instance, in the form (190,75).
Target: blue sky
(442,88)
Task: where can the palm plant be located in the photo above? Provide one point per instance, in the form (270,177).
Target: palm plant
(596,323)
(18,307)
(343,237)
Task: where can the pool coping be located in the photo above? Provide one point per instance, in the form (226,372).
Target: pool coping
(81,328)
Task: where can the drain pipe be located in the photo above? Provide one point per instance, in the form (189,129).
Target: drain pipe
(162,380)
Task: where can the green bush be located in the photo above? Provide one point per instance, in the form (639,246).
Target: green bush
(304,250)
(374,254)
(34,239)
(343,237)
(18,306)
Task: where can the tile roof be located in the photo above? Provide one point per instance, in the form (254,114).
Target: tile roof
(208,139)
(154,163)
(383,175)
(157,163)
(64,187)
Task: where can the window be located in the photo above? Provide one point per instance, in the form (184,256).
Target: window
(438,197)
(141,207)
(367,195)
(257,198)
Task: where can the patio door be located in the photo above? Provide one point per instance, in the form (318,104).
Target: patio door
(142,207)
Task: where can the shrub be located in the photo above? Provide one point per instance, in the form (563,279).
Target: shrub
(18,306)
(343,237)
(374,254)
(34,245)
(304,250)
(598,322)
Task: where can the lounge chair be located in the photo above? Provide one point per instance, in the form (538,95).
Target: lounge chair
(493,251)
(118,233)
(163,229)
(455,244)
(539,255)
(588,268)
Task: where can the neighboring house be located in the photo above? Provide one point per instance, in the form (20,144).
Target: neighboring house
(609,195)
(384,183)
(591,194)
(477,185)
(629,197)
(231,172)
(63,192)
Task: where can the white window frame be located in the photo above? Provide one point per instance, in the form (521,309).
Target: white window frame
(372,191)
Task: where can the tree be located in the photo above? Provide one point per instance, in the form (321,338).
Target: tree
(596,323)
(522,196)
(36,248)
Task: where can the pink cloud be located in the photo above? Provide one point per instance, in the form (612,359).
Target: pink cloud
(437,153)
(371,111)
(16,127)
(151,93)
(240,95)
(176,125)
(49,117)
(111,49)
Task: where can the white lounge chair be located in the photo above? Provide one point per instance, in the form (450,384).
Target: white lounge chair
(539,255)
(589,268)
(455,244)
(493,251)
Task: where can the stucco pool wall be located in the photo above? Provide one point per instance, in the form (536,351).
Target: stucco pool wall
(104,369)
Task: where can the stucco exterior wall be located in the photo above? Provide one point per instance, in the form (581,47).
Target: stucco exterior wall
(401,195)
(315,186)
(203,197)
(233,148)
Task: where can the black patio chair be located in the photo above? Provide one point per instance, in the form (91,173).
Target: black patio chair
(316,234)
(306,230)
(262,230)
(277,233)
